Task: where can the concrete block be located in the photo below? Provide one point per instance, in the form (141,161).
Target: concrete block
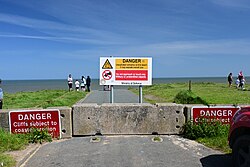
(127,119)
(89,119)
(171,118)
(66,121)
(85,119)
(4,119)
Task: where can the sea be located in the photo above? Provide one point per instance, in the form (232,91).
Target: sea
(13,86)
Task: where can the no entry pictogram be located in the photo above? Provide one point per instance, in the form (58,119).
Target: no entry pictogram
(107,75)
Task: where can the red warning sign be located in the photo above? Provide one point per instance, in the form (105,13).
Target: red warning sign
(224,114)
(22,121)
(107,74)
(133,75)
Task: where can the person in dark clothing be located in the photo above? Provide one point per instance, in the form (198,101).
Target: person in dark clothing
(230,79)
(88,81)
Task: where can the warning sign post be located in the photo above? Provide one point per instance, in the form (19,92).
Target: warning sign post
(125,71)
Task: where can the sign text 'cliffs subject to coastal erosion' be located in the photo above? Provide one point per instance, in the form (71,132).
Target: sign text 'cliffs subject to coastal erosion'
(125,71)
(23,121)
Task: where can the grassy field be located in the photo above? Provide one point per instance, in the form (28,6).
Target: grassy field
(212,93)
(41,99)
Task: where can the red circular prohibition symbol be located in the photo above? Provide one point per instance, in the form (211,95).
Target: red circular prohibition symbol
(107,74)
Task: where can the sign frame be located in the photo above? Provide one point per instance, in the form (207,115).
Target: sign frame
(127,71)
(38,111)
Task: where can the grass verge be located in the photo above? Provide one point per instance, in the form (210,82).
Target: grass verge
(211,93)
(10,142)
(43,99)
(210,134)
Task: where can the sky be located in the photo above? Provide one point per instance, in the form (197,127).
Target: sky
(49,39)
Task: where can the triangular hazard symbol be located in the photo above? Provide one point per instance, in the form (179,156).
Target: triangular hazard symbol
(107,65)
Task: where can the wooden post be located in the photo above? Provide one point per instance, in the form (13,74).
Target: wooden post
(190,85)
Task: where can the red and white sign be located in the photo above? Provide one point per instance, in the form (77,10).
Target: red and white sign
(22,121)
(107,75)
(133,75)
(224,114)
(125,71)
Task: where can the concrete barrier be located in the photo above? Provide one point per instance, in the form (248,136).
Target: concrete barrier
(108,119)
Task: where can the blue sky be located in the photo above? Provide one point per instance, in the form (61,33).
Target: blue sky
(186,38)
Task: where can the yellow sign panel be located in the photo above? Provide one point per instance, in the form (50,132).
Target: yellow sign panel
(107,65)
(131,64)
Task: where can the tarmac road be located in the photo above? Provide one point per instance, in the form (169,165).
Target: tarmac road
(120,96)
(127,151)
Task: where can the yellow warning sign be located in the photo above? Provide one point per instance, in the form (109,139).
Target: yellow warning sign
(132,64)
(107,65)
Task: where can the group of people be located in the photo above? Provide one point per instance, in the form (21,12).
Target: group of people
(83,84)
(240,81)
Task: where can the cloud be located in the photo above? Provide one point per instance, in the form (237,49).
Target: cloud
(202,47)
(243,4)
(61,32)
(196,50)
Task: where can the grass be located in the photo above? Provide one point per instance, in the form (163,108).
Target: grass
(212,93)
(10,142)
(41,99)
(211,134)
(217,143)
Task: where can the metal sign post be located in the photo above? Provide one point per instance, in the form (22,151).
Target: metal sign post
(140,94)
(111,94)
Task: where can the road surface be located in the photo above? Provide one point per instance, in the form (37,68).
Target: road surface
(120,96)
(127,151)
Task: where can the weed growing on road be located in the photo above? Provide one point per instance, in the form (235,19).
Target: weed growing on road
(36,135)
(157,139)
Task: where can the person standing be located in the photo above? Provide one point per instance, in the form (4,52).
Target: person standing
(88,81)
(83,83)
(241,79)
(77,84)
(230,79)
(1,95)
(70,82)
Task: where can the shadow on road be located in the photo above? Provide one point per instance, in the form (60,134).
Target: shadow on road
(217,160)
